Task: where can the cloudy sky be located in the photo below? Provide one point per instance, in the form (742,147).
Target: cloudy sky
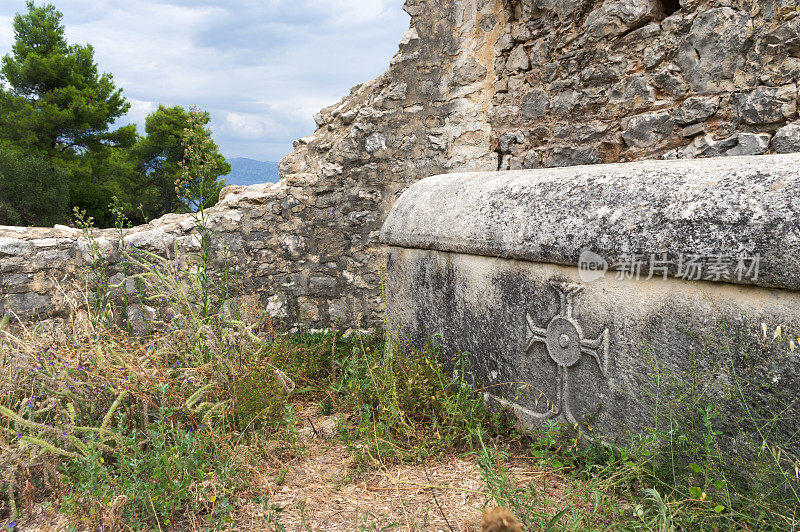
(262,68)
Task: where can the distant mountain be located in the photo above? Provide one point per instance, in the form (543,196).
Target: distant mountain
(246,171)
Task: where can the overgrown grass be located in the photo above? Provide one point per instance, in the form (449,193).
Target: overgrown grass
(132,419)
(138,432)
(724,444)
(145,426)
(143,430)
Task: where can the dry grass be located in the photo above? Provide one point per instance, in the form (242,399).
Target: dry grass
(307,432)
(319,484)
(312,480)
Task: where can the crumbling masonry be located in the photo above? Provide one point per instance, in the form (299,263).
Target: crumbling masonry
(476,85)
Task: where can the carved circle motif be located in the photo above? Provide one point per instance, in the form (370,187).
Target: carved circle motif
(563,340)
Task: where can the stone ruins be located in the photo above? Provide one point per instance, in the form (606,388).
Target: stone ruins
(477,85)
(573,291)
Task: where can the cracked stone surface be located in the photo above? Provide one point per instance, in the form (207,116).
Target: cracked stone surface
(731,207)
(573,292)
(542,341)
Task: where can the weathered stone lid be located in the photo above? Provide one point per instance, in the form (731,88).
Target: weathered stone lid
(658,216)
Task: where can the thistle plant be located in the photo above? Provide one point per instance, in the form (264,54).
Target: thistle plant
(198,184)
(97,274)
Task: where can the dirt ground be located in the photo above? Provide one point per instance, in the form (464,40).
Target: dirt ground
(315,486)
(321,490)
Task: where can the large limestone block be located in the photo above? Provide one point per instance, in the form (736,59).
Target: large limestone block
(715,47)
(572,291)
(615,17)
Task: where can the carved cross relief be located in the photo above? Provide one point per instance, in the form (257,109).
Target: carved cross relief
(565,342)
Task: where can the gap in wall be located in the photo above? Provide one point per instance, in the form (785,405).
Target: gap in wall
(670,6)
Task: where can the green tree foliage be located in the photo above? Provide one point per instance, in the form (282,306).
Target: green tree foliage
(161,160)
(99,176)
(32,191)
(57,103)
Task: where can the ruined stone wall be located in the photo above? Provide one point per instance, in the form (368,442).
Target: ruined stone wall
(476,85)
(620,80)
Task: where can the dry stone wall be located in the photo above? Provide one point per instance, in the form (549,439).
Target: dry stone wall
(621,80)
(475,85)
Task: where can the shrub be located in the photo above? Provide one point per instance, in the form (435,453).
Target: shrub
(32,191)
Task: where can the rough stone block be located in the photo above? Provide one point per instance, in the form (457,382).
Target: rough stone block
(29,304)
(468,72)
(508,140)
(322,281)
(573,156)
(787,139)
(531,160)
(570,289)
(693,130)
(648,129)
(16,282)
(707,146)
(633,92)
(375,142)
(520,32)
(141,318)
(535,104)
(750,144)
(696,109)
(15,246)
(615,17)
(785,37)
(518,60)
(715,46)
(767,105)
(309,308)
(504,43)
(565,102)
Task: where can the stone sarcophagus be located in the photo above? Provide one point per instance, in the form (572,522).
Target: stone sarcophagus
(597,295)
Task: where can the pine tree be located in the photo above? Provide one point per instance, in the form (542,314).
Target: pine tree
(55,105)
(165,186)
(57,101)
(32,191)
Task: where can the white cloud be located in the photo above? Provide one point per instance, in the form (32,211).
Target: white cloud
(262,68)
(138,112)
(6,33)
(246,125)
(351,12)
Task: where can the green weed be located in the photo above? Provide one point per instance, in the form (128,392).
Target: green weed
(725,446)
(151,479)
